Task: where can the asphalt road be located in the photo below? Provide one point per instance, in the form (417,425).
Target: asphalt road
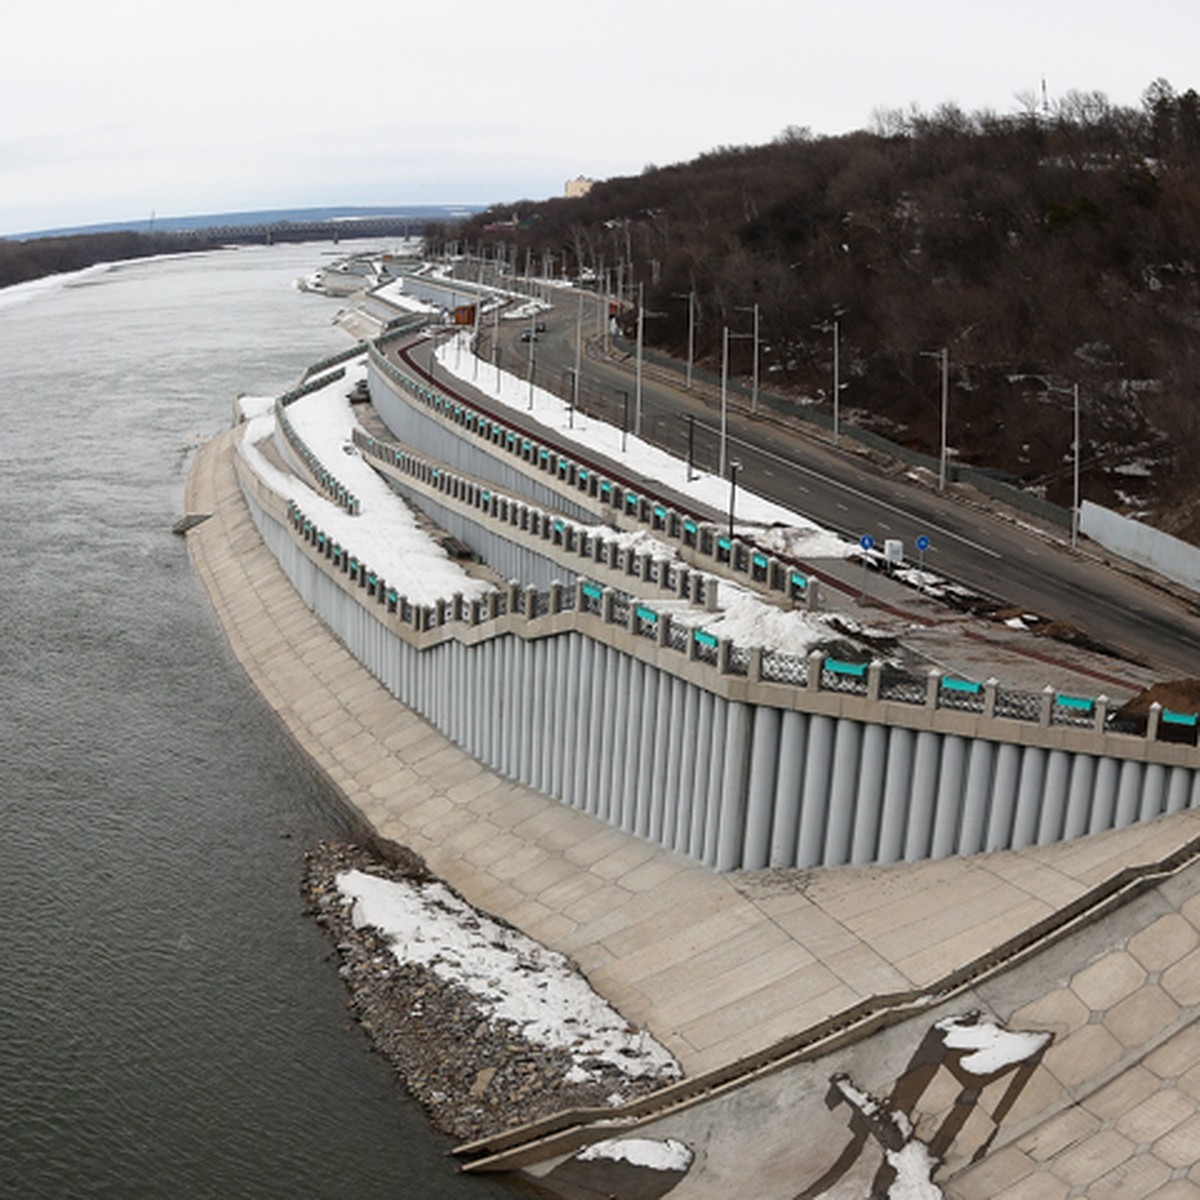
(970,539)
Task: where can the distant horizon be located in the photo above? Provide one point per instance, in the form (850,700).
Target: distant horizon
(112,111)
(252,216)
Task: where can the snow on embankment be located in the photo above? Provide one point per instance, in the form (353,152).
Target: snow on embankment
(775,527)
(385,534)
(512,978)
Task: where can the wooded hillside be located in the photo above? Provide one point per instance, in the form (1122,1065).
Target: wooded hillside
(21,261)
(1052,247)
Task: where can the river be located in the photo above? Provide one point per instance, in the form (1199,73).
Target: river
(171,1025)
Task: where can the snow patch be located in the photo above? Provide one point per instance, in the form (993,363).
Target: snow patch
(666,1155)
(249,407)
(992,1048)
(513,978)
(914,1170)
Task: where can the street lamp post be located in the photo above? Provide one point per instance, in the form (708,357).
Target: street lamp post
(725,336)
(1075,502)
(1073,392)
(578,354)
(532,343)
(837,387)
(834,327)
(734,468)
(478,325)
(690,297)
(754,385)
(641,321)
(724,398)
(496,342)
(944,356)
(642,314)
(625,420)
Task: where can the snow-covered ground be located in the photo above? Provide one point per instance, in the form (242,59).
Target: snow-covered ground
(752,513)
(395,295)
(668,1154)
(512,977)
(384,535)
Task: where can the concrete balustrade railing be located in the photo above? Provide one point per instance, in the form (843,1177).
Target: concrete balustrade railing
(613,501)
(574,548)
(311,465)
(559,538)
(578,548)
(335,360)
(986,709)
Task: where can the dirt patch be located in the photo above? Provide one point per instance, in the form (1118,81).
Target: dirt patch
(1179,695)
(1055,631)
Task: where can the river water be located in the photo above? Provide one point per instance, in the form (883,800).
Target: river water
(170,1024)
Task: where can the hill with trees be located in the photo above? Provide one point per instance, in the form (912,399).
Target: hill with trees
(33,258)
(1052,247)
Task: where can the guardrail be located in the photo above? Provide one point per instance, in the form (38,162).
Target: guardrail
(332,360)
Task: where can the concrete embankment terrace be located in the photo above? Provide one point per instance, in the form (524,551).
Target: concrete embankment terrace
(716,966)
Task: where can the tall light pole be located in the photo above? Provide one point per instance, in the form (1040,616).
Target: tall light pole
(637,400)
(944,355)
(725,337)
(827,327)
(642,314)
(734,468)
(837,386)
(724,397)
(945,415)
(496,343)
(607,319)
(754,387)
(532,343)
(690,297)
(578,353)
(1075,503)
(1073,392)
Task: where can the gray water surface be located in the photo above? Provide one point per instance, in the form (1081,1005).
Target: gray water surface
(170,1023)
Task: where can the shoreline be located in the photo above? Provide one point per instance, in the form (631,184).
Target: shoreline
(473,1074)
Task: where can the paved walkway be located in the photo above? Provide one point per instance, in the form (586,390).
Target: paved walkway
(716,966)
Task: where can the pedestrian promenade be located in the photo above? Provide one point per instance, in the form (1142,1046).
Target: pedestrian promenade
(716,966)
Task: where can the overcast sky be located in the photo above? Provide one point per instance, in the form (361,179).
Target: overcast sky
(121,109)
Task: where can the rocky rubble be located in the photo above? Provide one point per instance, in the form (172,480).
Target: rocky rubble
(473,1073)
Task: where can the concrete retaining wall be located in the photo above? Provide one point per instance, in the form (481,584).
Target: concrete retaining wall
(602,712)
